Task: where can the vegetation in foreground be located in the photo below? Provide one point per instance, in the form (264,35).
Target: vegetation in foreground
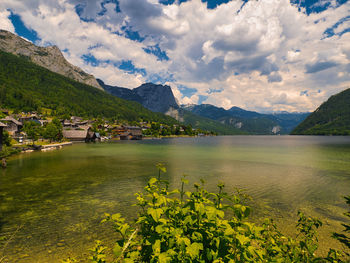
(200,226)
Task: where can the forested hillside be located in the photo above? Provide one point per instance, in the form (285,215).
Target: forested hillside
(331,118)
(24,86)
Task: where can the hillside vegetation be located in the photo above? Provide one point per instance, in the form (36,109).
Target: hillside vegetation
(249,121)
(25,86)
(331,118)
(203,123)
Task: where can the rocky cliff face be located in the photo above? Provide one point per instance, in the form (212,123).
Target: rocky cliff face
(157,98)
(47,57)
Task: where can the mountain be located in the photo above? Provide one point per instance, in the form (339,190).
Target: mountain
(331,118)
(157,98)
(203,123)
(50,57)
(250,121)
(25,86)
(160,98)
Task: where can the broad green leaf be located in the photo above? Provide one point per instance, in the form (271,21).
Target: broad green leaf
(152,181)
(156,247)
(193,249)
(156,213)
(242,239)
(117,250)
(161,167)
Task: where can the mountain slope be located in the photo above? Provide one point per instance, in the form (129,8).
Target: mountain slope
(160,98)
(50,57)
(331,118)
(203,123)
(25,86)
(157,98)
(250,121)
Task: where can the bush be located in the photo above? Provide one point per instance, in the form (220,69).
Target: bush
(6,138)
(200,226)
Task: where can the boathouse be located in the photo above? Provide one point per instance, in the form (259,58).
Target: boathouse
(131,133)
(79,135)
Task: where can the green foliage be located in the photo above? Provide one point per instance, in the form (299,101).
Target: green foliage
(207,124)
(344,238)
(6,139)
(202,226)
(98,253)
(26,87)
(33,130)
(53,131)
(157,130)
(331,118)
(7,151)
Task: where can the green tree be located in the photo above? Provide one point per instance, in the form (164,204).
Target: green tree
(33,130)
(53,132)
(6,138)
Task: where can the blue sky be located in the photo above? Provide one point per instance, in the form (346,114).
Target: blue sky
(267,55)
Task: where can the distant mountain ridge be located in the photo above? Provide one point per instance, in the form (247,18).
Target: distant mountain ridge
(155,97)
(50,58)
(160,98)
(331,118)
(250,121)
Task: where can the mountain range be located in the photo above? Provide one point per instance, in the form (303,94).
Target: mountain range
(25,86)
(160,98)
(250,121)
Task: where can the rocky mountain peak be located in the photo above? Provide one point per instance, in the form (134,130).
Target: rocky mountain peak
(155,97)
(49,57)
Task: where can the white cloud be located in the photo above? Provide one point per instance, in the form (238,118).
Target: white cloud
(5,22)
(261,56)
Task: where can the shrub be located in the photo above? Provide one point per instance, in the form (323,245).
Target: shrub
(201,226)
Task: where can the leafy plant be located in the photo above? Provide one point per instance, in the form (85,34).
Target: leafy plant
(345,238)
(201,226)
(33,130)
(6,139)
(53,131)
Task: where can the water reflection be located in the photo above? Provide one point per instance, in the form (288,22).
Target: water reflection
(58,198)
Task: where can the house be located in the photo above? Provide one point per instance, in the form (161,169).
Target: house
(2,126)
(73,123)
(80,135)
(12,125)
(76,119)
(119,130)
(32,117)
(132,133)
(76,135)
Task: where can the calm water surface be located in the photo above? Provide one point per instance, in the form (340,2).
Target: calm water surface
(51,204)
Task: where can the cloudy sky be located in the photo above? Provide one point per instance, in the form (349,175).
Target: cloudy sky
(263,55)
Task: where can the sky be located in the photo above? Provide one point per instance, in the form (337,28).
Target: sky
(261,55)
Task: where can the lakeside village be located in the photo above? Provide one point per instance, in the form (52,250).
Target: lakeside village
(26,132)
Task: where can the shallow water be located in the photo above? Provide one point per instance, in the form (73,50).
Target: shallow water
(51,203)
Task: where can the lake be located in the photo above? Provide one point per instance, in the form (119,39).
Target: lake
(51,203)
